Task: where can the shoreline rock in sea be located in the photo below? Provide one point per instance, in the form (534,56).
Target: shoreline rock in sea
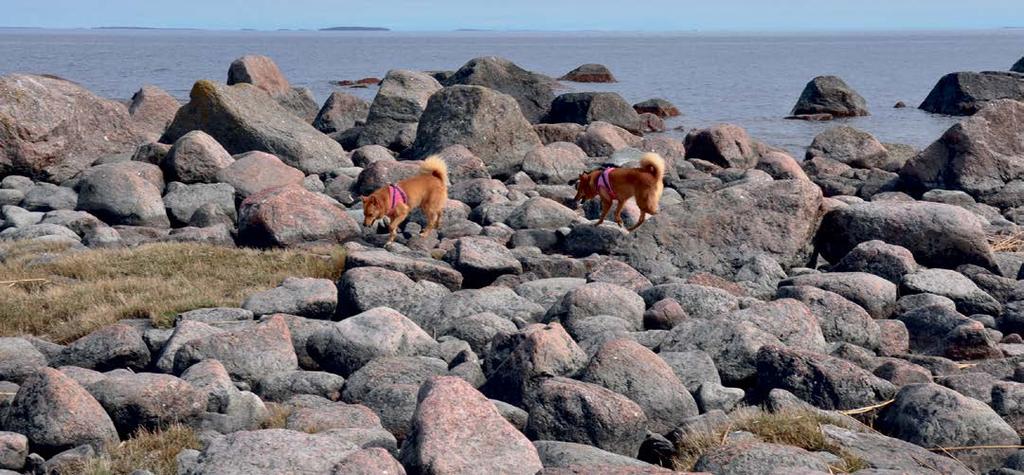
(869,277)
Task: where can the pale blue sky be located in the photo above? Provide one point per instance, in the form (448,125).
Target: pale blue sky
(426,15)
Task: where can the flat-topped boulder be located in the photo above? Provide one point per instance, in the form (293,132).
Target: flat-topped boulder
(852,147)
(966,93)
(52,128)
(590,72)
(244,118)
(659,107)
(830,95)
(587,107)
(777,218)
(532,91)
(938,235)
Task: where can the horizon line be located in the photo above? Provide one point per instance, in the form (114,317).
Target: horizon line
(385,29)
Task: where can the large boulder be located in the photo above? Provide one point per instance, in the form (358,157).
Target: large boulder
(752,457)
(253,172)
(481,260)
(195,158)
(587,107)
(725,145)
(886,453)
(413,267)
(152,109)
(396,109)
(939,235)
(304,297)
(853,147)
(733,345)
(589,72)
(262,72)
(840,319)
(183,201)
(148,400)
(534,92)
(636,372)
(457,430)
(930,415)
(291,215)
(556,164)
(57,414)
(777,219)
(572,411)
(111,347)
(19,359)
(248,353)
(830,95)
(244,118)
(824,381)
(52,129)
(979,155)
(966,93)
(348,345)
(363,288)
(119,194)
(341,112)
(519,361)
(489,123)
(274,451)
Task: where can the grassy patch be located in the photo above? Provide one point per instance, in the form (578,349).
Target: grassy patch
(278,418)
(1007,242)
(795,427)
(82,291)
(155,451)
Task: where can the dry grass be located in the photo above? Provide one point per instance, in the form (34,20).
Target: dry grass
(1007,242)
(796,427)
(82,291)
(155,451)
(278,416)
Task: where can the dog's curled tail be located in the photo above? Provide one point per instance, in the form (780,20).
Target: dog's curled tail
(655,165)
(433,165)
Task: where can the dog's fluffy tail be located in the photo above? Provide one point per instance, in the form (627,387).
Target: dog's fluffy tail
(433,165)
(654,164)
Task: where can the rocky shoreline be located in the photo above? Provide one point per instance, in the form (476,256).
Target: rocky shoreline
(870,288)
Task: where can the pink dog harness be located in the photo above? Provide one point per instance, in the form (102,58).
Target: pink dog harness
(604,182)
(397,195)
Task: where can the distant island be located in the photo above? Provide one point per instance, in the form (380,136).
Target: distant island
(355,28)
(140,28)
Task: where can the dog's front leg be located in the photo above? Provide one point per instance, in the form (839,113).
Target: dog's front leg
(606,206)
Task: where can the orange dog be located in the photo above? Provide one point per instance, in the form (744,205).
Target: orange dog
(428,191)
(620,184)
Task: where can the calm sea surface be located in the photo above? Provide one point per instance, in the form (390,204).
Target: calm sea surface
(749,79)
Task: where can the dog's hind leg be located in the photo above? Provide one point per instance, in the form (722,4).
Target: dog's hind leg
(433,221)
(643,217)
(606,206)
(618,213)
